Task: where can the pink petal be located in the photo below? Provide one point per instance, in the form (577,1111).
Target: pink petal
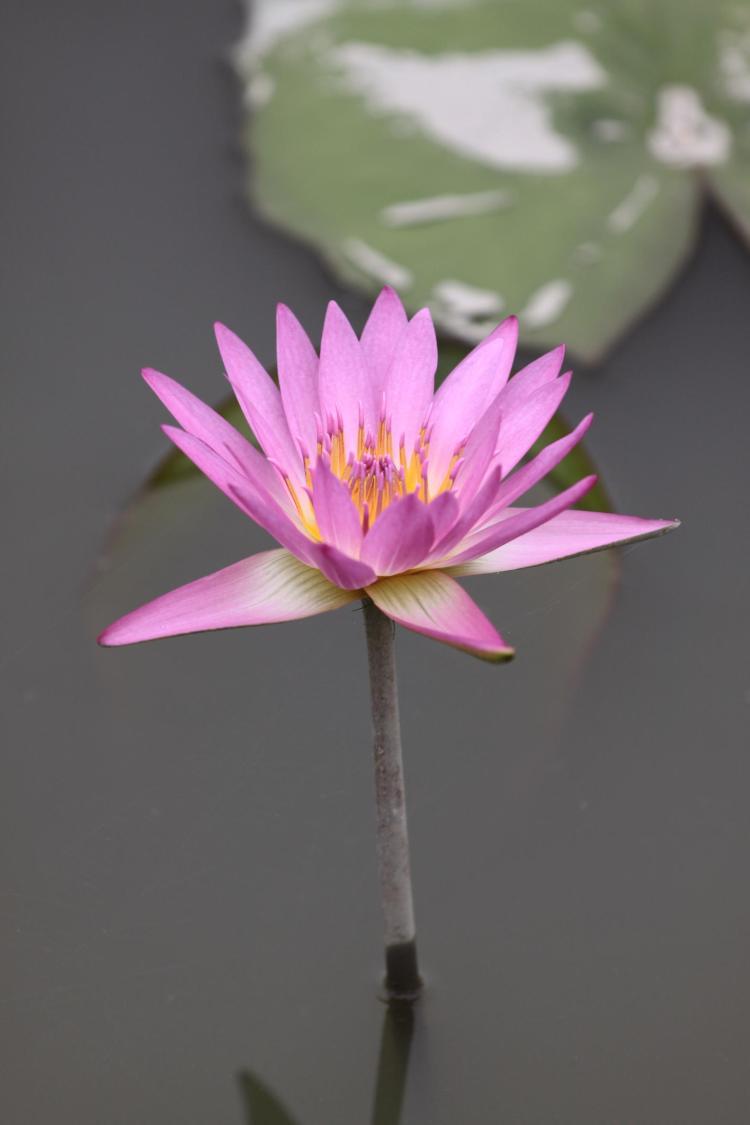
(567,534)
(400,538)
(381,335)
(517,521)
(272,586)
(524,421)
(535,375)
(471,513)
(343,384)
(444,511)
(297,363)
(538,468)
(199,419)
(430,602)
(410,381)
(343,571)
(467,392)
(479,451)
(260,400)
(215,432)
(253,501)
(335,511)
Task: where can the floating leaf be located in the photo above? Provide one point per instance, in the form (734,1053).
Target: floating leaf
(544,157)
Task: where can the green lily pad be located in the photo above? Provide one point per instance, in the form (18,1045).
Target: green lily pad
(545,157)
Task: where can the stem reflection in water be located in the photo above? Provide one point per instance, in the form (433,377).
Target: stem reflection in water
(263,1107)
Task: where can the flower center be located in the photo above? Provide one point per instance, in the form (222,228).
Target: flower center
(375,473)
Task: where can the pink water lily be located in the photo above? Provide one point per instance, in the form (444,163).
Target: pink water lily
(376,485)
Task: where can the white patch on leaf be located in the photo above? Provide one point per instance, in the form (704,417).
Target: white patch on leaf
(377,265)
(271,21)
(629,210)
(685,135)
(546,304)
(259,90)
(438,208)
(486,105)
(734,64)
(464,300)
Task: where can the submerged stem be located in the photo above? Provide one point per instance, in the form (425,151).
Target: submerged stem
(402,975)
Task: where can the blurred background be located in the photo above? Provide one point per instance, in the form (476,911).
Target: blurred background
(190,921)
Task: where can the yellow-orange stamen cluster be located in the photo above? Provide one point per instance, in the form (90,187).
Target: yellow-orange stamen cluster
(375,473)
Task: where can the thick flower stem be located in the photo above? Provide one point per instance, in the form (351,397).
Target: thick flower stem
(402,980)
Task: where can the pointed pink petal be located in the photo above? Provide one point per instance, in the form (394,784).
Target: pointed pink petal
(517,521)
(524,421)
(260,400)
(530,474)
(410,381)
(535,375)
(400,538)
(297,363)
(466,394)
(335,511)
(199,419)
(215,432)
(343,571)
(430,602)
(444,511)
(479,451)
(567,534)
(343,384)
(470,514)
(253,501)
(272,586)
(381,335)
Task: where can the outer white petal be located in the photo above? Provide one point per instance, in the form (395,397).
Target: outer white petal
(272,586)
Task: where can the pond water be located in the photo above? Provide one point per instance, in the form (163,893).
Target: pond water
(190,919)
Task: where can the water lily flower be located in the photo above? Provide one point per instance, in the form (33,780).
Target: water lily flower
(374,484)
(379,488)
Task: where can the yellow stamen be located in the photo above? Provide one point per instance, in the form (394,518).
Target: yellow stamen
(308,522)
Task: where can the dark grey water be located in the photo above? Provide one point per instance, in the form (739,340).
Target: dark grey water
(187,878)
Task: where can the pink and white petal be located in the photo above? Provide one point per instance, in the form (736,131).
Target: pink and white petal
(343,384)
(297,363)
(517,521)
(431,603)
(466,394)
(537,469)
(400,538)
(214,431)
(253,501)
(524,423)
(335,511)
(381,336)
(260,400)
(341,569)
(272,586)
(410,382)
(568,534)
